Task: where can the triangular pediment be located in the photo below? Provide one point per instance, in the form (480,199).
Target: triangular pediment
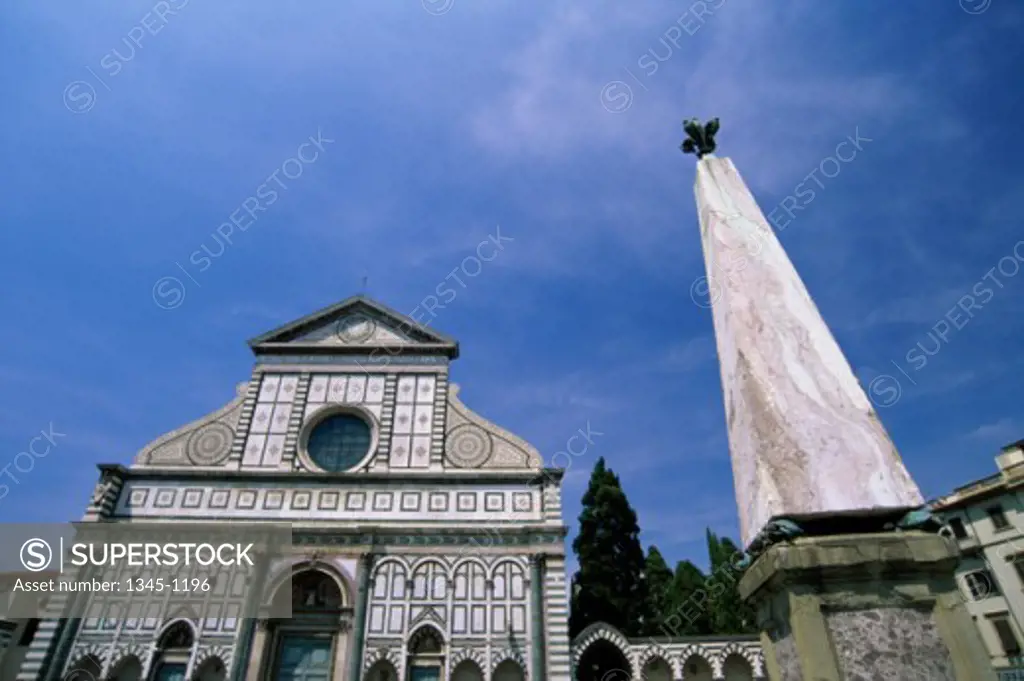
(357,325)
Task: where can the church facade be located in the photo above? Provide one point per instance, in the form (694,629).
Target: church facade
(428,543)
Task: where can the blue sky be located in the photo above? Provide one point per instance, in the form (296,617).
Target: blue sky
(447,119)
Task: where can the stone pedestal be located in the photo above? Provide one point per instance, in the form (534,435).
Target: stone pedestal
(859,607)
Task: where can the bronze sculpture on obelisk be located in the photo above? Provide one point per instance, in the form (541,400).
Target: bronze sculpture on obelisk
(845,558)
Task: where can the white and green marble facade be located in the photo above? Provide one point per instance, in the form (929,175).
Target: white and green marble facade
(732,658)
(449,524)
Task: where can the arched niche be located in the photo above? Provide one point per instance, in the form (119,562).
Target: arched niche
(467,670)
(736,668)
(696,668)
(602,660)
(381,670)
(508,670)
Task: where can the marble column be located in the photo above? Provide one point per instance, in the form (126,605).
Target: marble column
(846,596)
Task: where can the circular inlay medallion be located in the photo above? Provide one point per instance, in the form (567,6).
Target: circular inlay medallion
(210,445)
(468,446)
(355,329)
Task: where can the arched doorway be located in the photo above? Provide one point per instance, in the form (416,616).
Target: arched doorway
(736,668)
(305,646)
(603,661)
(467,670)
(426,655)
(173,650)
(509,670)
(696,668)
(86,669)
(128,669)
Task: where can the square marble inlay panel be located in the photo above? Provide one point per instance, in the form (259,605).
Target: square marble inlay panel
(165,498)
(328,501)
(438,501)
(522,501)
(382,501)
(410,501)
(261,418)
(268,388)
(274,500)
(279,422)
(219,498)
(466,501)
(137,498)
(246,499)
(400,446)
(193,498)
(301,501)
(253,450)
(274,450)
(494,501)
(289,385)
(355,501)
(356,390)
(375,389)
(406,390)
(423,419)
(403,419)
(336,390)
(425,386)
(420,451)
(317,389)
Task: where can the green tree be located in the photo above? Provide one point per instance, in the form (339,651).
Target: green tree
(729,614)
(658,576)
(688,615)
(609,585)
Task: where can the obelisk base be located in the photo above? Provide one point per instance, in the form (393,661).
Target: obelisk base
(852,607)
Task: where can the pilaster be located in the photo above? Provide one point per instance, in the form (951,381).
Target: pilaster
(355,662)
(538,656)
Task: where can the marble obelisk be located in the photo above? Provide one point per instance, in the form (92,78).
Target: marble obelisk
(803,436)
(849,579)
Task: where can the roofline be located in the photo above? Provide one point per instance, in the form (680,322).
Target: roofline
(316,316)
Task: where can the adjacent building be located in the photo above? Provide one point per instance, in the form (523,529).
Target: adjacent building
(428,542)
(986,518)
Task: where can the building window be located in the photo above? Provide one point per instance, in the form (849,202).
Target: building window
(998,518)
(980,585)
(339,442)
(1008,639)
(957,526)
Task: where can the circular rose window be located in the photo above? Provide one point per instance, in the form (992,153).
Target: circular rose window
(339,442)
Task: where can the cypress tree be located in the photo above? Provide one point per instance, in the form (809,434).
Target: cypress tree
(689,614)
(658,576)
(609,585)
(729,614)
